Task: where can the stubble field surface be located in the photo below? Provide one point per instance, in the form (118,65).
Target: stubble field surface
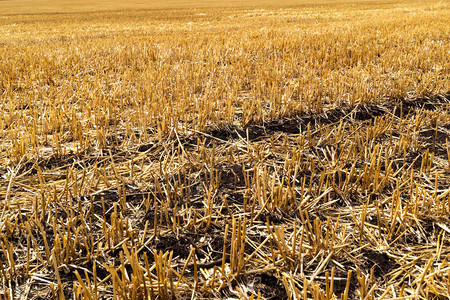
(180,149)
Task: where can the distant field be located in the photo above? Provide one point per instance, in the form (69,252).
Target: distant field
(67,6)
(247,150)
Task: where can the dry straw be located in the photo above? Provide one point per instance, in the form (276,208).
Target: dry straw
(291,152)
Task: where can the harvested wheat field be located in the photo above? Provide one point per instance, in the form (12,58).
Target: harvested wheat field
(248,150)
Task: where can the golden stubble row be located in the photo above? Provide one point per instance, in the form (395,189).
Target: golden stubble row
(68,87)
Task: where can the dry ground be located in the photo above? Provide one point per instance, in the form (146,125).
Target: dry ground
(276,150)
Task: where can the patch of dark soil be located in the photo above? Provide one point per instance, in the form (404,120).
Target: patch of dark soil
(339,285)
(223,134)
(85,162)
(137,198)
(145,147)
(213,245)
(440,152)
(57,161)
(432,135)
(101,271)
(269,286)
(368,112)
(340,176)
(342,201)
(216,242)
(437,141)
(275,217)
(128,269)
(180,246)
(304,175)
(250,133)
(209,248)
(428,103)
(102,202)
(414,158)
(115,140)
(372,219)
(379,261)
(68,273)
(237,198)
(296,125)
(150,217)
(412,239)
(47,164)
(428,226)
(68,291)
(254,132)
(211,137)
(78,161)
(287,126)
(232,176)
